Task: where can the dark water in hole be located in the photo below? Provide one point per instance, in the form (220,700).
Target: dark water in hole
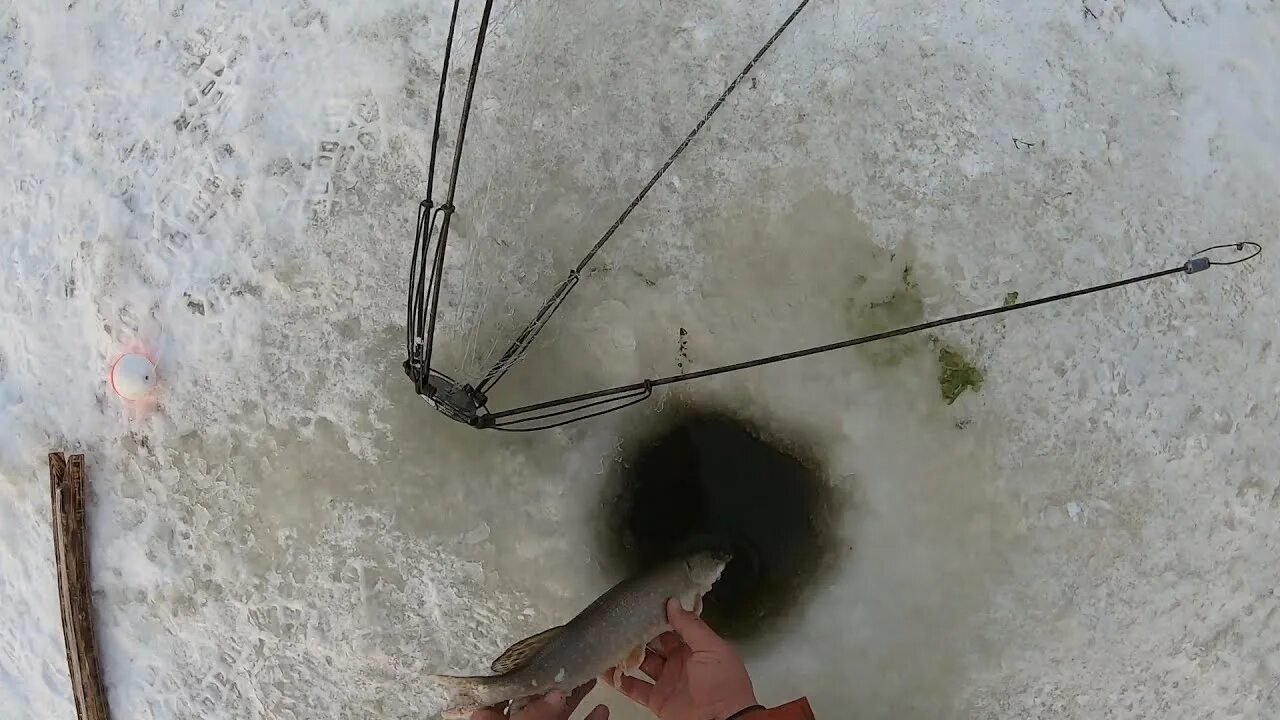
(710,480)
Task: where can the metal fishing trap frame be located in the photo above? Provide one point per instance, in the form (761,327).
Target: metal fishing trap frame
(469,404)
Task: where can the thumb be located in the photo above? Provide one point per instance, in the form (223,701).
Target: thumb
(692,630)
(600,713)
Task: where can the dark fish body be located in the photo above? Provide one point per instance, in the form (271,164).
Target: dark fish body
(626,617)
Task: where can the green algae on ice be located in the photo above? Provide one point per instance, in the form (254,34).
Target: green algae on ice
(956,374)
(881,304)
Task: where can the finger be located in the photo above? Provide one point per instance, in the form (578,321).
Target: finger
(695,633)
(600,713)
(652,665)
(634,688)
(666,644)
(489,713)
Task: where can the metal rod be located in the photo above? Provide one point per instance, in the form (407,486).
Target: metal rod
(829,347)
(442,241)
(517,349)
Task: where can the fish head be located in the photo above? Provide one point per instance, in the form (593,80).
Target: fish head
(704,568)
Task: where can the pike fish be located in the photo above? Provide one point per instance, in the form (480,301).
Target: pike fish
(612,631)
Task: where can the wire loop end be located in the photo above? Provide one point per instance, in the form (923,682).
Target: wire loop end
(1202,262)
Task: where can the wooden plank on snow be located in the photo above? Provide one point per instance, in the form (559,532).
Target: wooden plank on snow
(71,553)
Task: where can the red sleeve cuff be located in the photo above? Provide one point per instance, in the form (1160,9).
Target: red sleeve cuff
(794,710)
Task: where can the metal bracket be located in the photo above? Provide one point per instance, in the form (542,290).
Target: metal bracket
(457,401)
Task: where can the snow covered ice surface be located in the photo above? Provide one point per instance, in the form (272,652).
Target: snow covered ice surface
(287,532)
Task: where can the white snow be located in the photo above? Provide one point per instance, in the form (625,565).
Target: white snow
(285,531)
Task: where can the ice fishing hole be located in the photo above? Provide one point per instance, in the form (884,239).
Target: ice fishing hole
(708,479)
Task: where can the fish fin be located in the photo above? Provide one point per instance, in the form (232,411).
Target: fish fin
(519,654)
(629,663)
(464,692)
(634,660)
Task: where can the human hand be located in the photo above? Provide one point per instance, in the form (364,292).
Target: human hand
(555,705)
(696,674)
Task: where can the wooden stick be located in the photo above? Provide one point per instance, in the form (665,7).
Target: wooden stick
(70,548)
